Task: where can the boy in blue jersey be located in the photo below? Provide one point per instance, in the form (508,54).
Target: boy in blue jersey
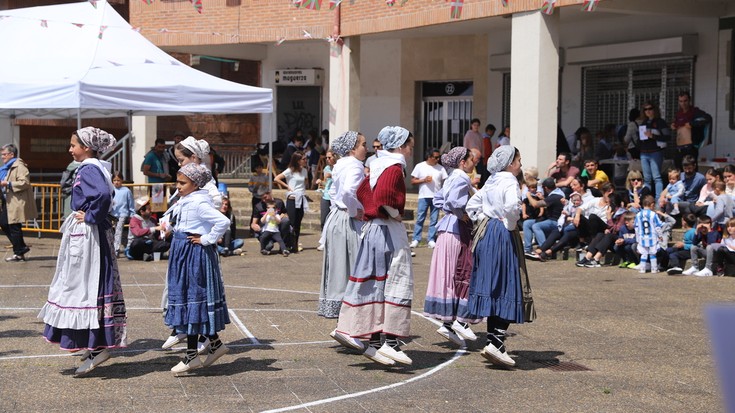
(647,226)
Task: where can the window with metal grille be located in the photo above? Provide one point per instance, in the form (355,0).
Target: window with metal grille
(609,92)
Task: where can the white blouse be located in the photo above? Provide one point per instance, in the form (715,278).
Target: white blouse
(499,198)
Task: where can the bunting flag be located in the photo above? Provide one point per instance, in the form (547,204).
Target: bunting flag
(137,29)
(164,30)
(102,30)
(44,23)
(93,3)
(148,2)
(504,3)
(280,41)
(548,7)
(334,3)
(311,4)
(589,5)
(80,25)
(307,35)
(456,9)
(197,5)
(297,3)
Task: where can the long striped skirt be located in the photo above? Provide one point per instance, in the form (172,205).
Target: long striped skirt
(196,293)
(380,291)
(449,277)
(341,242)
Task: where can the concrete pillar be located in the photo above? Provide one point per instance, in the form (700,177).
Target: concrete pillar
(144,129)
(344,86)
(9,133)
(534,87)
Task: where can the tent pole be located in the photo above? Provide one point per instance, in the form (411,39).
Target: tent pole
(79,118)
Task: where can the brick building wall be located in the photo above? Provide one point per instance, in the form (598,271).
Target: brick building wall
(253,21)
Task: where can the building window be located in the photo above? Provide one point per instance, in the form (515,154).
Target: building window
(609,92)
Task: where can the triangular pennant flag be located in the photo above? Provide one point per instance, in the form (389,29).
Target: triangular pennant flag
(334,3)
(504,3)
(114,63)
(197,5)
(280,41)
(307,35)
(312,4)
(297,3)
(137,29)
(164,30)
(102,30)
(548,7)
(44,23)
(148,2)
(93,3)
(456,9)
(390,2)
(589,5)
(80,25)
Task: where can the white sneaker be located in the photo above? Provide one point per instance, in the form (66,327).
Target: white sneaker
(691,270)
(654,269)
(391,353)
(432,244)
(182,367)
(347,341)
(495,356)
(320,247)
(413,244)
(642,270)
(451,336)
(373,355)
(237,251)
(706,272)
(213,356)
(173,340)
(203,346)
(90,363)
(465,333)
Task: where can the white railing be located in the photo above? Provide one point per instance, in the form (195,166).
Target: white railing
(119,156)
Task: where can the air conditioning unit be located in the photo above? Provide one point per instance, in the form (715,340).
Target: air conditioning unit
(298,77)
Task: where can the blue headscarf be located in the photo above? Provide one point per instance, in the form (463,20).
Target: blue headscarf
(393,137)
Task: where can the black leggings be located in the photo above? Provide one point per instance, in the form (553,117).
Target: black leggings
(295,215)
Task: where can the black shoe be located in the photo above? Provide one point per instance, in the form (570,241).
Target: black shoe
(592,264)
(25,251)
(582,262)
(147,257)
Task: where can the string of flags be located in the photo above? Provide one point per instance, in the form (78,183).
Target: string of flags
(456,7)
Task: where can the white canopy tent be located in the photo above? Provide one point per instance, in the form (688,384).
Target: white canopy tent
(80,61)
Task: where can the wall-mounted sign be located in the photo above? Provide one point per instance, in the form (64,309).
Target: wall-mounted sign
(298,77)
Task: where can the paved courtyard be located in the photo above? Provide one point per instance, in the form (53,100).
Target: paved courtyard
(606,340)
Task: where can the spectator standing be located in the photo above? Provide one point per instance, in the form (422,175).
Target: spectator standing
(123,207)
(293,179)
(653,142)
(647,224)
(377,146)
(682,127)
(473,138)
(258,184)
(296,144)
(173,163)
(504,138)
(155,167)
(18,203)
(429,176)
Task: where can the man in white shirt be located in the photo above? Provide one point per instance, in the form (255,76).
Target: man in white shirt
(429,176)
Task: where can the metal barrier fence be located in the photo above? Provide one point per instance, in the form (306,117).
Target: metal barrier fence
(53,206)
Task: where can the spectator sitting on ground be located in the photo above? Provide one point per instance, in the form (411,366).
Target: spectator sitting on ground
(637,190)
(270,233)
(564,234)
(706,241)
(284,227)
(625,243)
(595,176)
(562,171)
(604,241)
(672,194)
(528,212)
(681,250)
(725,255)
(145,235)
(228,244)
(722,209)
(693,183)
(551,199)
(707,193)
